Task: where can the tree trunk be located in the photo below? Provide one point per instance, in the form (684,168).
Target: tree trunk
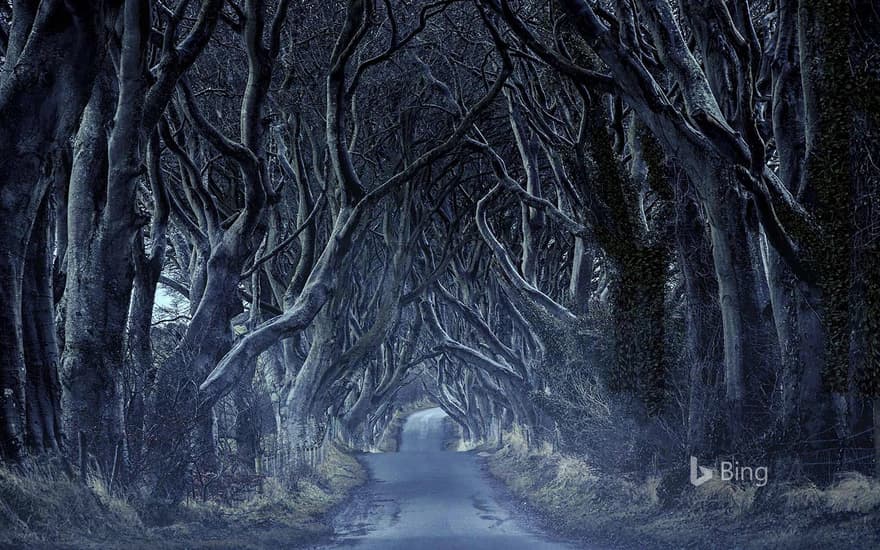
(301,401)
(43,392)
(247,437)
(639,305)
(53,53)
(740,312)
(581,283)
(703,322)
(140,348)
(357,414)
(876,434)
(783,300)
(188,433)
(828,107)
(12,369)
(98,291)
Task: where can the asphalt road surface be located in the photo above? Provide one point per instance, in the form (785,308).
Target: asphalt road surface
(425,498)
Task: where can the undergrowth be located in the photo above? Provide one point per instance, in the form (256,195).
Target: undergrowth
(638,511)
(40,506)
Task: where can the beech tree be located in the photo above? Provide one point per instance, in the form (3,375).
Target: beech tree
(236,232)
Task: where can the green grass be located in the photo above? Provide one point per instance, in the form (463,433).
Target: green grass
(577,500)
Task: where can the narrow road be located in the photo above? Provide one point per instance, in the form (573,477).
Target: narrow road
(425,498)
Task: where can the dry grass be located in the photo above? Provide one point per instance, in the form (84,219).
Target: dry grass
(851,493)
(803,497)
(275,516)
(341,471)
(40,507)
(569,490)
(716,495)
(39,503)
(577,499)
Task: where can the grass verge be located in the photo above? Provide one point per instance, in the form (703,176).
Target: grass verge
(578,501)
(40,508)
